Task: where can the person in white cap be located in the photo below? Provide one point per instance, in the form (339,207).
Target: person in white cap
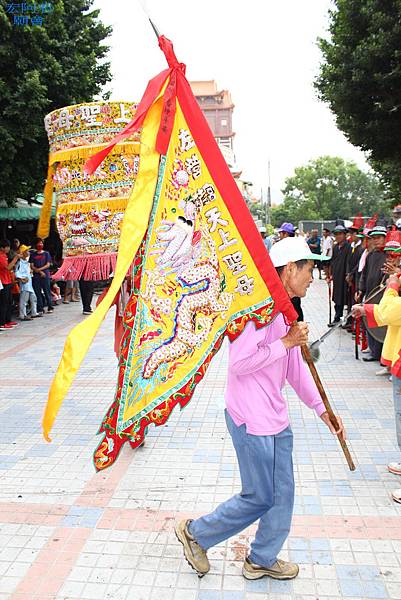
(260,363)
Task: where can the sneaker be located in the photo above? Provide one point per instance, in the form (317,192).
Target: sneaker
(195,555)
(50,310)
(26,319)
(396,495)
(383,371)
(8,326)
(3,328)
(395,468)
(12,323)
(280,570)
(37,315)
(87,312)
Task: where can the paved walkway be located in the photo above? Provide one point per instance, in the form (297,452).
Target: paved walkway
(68,533)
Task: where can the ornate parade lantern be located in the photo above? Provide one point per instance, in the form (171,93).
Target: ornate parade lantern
(90,208)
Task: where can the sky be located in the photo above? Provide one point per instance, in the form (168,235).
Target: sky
(263,51)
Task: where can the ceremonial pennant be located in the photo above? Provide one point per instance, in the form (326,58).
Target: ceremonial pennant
(200,269)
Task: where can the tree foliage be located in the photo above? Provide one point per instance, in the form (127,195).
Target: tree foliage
(43,68)
(360,79)
(327,188)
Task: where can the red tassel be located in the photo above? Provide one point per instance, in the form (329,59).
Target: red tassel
(364,343)
(94,267)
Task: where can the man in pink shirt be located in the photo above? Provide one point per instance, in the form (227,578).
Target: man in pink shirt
(260,363)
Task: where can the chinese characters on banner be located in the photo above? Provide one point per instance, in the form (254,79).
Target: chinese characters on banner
(205,195)
(90,115)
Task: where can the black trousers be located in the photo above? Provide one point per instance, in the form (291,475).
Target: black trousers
(339,311)
(86,289)
(6,303)
(41,286)
(375,347)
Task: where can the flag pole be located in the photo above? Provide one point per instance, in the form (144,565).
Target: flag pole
(333,419)
(144,8)
(157,32)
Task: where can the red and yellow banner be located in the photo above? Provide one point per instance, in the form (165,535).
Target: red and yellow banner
(201,270)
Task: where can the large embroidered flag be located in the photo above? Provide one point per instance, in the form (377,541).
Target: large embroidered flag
(200,268)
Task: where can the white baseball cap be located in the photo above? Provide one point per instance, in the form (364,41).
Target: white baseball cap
(292,249)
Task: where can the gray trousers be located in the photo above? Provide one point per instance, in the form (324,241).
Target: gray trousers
(24,298)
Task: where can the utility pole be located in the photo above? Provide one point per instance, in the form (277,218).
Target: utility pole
(269,195)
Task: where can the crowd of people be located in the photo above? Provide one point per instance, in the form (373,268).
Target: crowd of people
(27,290)
(360,258)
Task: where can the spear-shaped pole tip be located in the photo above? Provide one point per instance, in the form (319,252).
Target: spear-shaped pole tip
(157,32)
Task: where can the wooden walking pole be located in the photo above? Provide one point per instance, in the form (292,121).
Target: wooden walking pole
(356,332)
(329,290)
(308,359)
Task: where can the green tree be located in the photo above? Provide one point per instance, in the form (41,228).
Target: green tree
(327,188)
(360,80)
(44,67)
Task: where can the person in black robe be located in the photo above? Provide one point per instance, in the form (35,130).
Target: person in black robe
(338,267)
(354,256)
(372,275)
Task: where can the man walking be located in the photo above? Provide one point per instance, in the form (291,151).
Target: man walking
(260,362)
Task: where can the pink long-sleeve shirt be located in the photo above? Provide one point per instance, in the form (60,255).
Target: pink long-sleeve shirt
(259,365)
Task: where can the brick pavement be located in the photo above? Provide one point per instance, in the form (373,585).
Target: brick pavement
(67,533)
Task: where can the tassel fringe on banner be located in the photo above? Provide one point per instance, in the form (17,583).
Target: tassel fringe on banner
(93,267)
(88,151)
(114,204)
(46,211)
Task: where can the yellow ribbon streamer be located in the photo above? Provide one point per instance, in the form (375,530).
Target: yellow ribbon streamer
(119,203)
(133,229)
(46,210)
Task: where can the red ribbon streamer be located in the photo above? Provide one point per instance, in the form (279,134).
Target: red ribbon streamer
(152,91)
